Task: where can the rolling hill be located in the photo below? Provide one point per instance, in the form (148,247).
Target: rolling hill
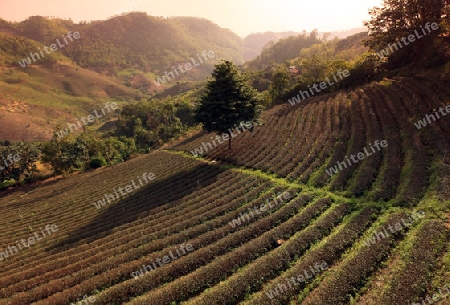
(32,102)
(262,223)
(116,59)
(126,41)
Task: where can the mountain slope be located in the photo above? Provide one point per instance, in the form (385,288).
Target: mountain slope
(205,232)
(34,100)
(304,142)
(255,42)
(132,40)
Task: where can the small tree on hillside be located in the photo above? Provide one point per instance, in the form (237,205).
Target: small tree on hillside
(228,100)
(281,82)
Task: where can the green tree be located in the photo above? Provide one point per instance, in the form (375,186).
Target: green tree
(18,160)
(228,100)
(29,155)
(115,150)
(398,19)
(112,149)
(281,81)
(63,154)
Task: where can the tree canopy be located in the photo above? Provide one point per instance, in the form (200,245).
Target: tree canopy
(228,101)
(398,19)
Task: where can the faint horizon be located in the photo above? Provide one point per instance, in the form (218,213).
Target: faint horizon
(243,18)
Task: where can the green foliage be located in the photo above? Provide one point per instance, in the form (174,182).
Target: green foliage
(228,100)
(25,167)
(88,150)
(15,48)
(7,183)
(64,154)
(398,19)
(130,41)
(257,41)
(281,81)
(315,61)
(313,64)
(285,49)
(115,151)
(97,162)
(152,124)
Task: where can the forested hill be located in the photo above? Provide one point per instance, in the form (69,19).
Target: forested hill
(296,48)
(255,42)
(285,49)
(132,40)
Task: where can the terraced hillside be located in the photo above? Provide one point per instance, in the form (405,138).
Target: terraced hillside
(301,142)
(266,225)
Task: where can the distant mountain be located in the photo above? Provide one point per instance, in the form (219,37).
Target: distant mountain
(285,49)
(255,42)
(134,40)
(345,33)
(128,52)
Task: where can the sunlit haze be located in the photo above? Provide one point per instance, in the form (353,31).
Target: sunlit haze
(241,16)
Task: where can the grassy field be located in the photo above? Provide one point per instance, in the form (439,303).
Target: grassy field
(35,99)
(249,246)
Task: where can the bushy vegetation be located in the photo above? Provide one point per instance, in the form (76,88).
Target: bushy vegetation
(156,122)
(133,40)
(282,78)
(18,161)
(398,19)
(140,128)
(285,49)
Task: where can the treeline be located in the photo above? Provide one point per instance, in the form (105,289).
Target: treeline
(281,77)
(14,49)
(285,49)
(141,128)
(18,161)
(130,40)
(151,124)
(296,63)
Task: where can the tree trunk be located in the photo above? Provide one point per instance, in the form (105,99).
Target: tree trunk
(229,140)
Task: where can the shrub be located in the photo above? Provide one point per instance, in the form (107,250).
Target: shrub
(7,183)
(97,162)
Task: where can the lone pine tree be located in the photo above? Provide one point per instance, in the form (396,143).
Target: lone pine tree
(228,100)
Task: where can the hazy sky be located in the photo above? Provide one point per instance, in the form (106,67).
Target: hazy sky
(241,16)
